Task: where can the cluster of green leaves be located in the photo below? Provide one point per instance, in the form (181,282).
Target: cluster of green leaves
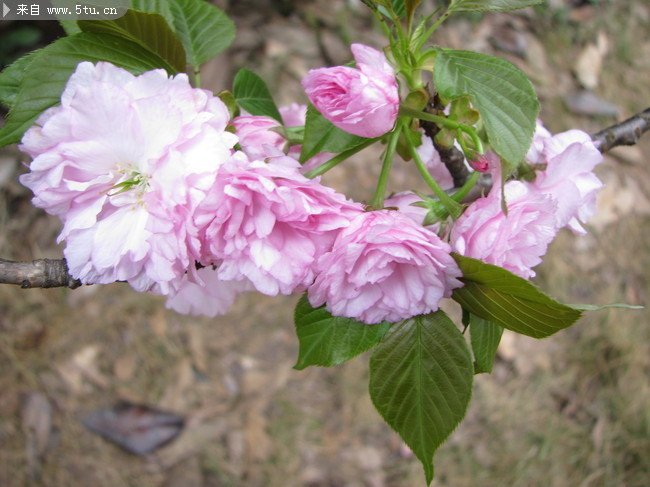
(421,369)
(175,35)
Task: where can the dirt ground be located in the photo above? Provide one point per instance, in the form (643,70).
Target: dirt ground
(572,410)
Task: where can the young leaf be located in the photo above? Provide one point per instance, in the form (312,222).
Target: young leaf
(421,382)
(399,7)
(485,337)
(11,78)
(328,340)
(410,6)
(495,294)
(204,30)
(322,136)
(254,96)
(502,94)
(150,30)
(485,5)
(46,75)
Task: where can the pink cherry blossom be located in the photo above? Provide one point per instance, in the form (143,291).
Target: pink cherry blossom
(265,222)
(258,140)
(255,137)
(384,267)
(364,100)
(516,241)
(122,161)
(534,154)
(201,292)
(294,114)
(569,177)
(403,201)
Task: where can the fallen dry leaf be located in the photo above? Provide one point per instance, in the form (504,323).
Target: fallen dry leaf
(590,62)
(82,366)
(137,428)
(587,103)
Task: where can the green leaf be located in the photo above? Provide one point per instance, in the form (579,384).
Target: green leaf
(46,75)
(254,96)
(149,30)
(399,7)
(328,340)
(11,78)
(160,7)
(495,294)
(502,94)
(204,30)
(69,25)
(322,136)
(485,337)
(421,382)
(495,5)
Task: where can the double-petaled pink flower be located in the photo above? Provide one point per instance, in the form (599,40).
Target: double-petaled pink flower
(570,158)
(515,241)
(266,223)
(384,267)
(123,161)
(364,100)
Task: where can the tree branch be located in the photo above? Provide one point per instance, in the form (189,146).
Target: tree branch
(47,273)
(43,273)
(627,132)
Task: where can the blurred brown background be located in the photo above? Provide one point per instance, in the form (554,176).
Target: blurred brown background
(572,410)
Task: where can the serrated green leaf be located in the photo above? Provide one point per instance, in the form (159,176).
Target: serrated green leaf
(149,30)
(204,30)
(492,5)
(421,382)
(46,76)
(485,337)
(497,295)
(502,94)
(322,136)
(328,340)
(11,78)
(160,7)
(254,96)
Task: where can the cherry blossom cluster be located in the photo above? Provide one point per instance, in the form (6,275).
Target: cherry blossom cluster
(157,186)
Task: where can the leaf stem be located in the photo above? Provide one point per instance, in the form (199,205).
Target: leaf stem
(467,187)
(430,117)
(453,207)
(336,160)
(389,155)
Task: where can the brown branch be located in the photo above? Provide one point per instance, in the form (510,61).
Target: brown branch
(627,132)
(43,273)
(46,273)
